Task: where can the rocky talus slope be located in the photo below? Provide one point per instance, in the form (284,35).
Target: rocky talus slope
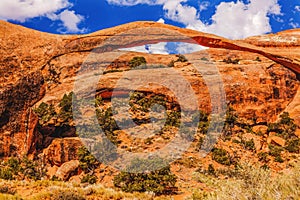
(38,67)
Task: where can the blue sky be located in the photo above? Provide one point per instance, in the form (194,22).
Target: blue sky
(229,18)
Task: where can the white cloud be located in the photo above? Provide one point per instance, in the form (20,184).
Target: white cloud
(232,20)
(71,21)
(294,25)
(297,8)
(184,48)
(22,10)
(161,20)
(239,20)
(204,5)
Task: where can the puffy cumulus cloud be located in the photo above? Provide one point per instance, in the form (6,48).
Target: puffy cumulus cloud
(22,10)
(231,19)
(239,20)
(71,21)
(184,48)
(297,8)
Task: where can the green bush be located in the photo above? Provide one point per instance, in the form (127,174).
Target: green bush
(221,156)
(5,189)
(45,112)
(160,181)
(263,156)
(87,161)
(21,168)
(6,173)
(171,63)
(285,127)
(230,61)
(137,61)
(66,111)
(257,59)
(107,123)
(181,58)
(278,159)
(211,170)
(276,152)
(293,146)
(66,195)
(249,144)
(91,179)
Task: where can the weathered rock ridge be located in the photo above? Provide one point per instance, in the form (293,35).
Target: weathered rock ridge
(36,67)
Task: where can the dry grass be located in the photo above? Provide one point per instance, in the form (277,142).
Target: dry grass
(251,183)
(48,190)
(248,182)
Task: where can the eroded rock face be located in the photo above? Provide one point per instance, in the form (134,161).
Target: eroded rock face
(62,150)
(43,69)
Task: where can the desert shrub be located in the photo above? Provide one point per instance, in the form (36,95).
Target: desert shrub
(285,128)
(249,144)
(257,59)
(21,168)
(293,146)
(230,61)
(87,161)
(263,156)
(14,165)
(278,159)
(6,189)
(107,123)
(276,152)
(45,112)
(137,61)
(251,182)
(171,63)
(91,179)
(204,59)
(211,170)
(203,122)
(105,151)
(66,195)
(160,181)
(173,118)
(230,120)
(6,173)
(181,58)
(66,114)
(32,169)
(221,156)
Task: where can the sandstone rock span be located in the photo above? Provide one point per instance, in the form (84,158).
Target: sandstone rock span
(159,33)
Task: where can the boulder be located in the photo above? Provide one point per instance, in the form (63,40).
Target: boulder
(67,169)
(256,140)
(260,129)
(51,170)
(297,133)
(276,140)
(77,178)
